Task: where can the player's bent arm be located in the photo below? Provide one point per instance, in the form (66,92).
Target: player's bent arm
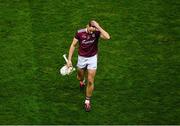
(103,33)
(71,50)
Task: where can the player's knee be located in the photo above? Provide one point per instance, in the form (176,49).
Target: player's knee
(90,81)
(77,77)
(80,78)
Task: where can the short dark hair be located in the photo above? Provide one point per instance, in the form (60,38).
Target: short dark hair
(90,25)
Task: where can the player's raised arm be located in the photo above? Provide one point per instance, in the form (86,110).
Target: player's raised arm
(71,51)
(103,33)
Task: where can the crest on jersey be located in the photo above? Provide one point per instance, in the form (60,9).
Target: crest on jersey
(93,35)
(84,36)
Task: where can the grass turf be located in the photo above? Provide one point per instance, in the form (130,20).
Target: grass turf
(137,79)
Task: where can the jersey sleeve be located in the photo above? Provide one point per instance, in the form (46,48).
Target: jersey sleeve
(76,36)
(98,34)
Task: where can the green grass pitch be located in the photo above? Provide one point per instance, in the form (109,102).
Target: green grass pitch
(138,76)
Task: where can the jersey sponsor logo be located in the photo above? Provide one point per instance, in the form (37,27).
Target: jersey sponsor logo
(87,42)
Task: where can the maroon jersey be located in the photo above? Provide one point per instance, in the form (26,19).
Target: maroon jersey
(88,43)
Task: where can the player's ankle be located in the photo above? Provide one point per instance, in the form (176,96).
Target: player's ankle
(87,100)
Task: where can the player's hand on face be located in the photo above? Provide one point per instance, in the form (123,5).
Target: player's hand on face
(94,23)
(69,64)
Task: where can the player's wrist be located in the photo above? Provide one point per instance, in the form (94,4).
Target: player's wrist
(99,28)
(69,61)
(69,58)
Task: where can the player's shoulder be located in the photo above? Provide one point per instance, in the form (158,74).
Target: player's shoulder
(81,30)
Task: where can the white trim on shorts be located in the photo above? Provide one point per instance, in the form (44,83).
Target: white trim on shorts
(87,62)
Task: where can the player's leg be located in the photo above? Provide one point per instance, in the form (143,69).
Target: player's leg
(92,66)
(81,65)
(80,74)
(90,84)
(89,88)
(80,77)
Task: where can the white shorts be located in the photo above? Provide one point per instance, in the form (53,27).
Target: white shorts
(87,62)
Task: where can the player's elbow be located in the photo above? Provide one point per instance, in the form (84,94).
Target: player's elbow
(107,37)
